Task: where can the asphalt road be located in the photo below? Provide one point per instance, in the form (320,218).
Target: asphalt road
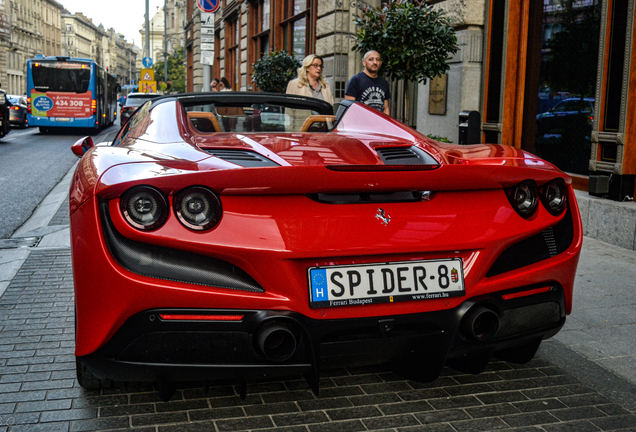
(31,164)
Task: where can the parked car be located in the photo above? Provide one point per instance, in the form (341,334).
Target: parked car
(223,244)
(132,102)
(5,126)
(570,112)
(18,111)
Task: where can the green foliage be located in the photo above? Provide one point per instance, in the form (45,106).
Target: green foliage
(439,138)
(573,52)
(176,73)
(274,70)
(413,38)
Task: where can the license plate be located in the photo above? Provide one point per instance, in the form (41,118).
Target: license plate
(63,119)
(332,286)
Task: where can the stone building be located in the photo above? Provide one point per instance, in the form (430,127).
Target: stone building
(30,27)
(244,30)
(176,20)
(81,38)
(51,27)
(27,28)
(25,40)
(124,66)
(166,30)
(155,33)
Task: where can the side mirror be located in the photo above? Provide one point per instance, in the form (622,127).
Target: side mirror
(82,146)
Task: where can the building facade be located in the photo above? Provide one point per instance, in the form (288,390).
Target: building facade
(31,27)
(245,30)
(83,39)
(51,27)
(25,40)
(155,36)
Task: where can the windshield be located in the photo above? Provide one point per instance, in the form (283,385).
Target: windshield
(14,100)
(256,118)
(135,101)
(61,77)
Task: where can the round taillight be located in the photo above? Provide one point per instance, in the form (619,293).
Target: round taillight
(554,196)
(197,208)
(524,198)
(144,207)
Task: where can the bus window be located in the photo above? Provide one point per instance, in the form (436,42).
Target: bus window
(47,78)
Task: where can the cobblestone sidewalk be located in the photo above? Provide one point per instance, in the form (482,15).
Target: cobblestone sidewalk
(39,392)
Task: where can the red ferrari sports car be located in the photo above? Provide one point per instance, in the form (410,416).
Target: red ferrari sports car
(238,235)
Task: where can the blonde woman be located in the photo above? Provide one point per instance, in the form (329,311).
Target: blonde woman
(310,82)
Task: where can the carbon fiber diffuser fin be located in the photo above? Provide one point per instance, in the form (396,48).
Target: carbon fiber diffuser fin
(172,264)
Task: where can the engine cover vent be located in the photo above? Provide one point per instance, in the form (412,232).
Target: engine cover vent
(405,156)
(244,158)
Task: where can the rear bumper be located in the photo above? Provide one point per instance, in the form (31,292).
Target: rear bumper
(17,119)
(149,348)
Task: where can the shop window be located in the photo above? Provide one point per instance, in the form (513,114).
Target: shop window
(260,24)
(566,81)
(616,65)
(495,63)
(293,21)
(216,68)
(232,57)
(339,87)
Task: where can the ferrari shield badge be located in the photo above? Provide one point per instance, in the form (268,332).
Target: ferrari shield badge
(383,217)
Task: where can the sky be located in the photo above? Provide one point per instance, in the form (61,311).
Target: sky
(125,16)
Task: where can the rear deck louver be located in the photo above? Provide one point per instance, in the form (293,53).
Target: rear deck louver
(405,156)
(245,158)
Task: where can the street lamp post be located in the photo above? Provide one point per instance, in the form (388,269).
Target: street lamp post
(165,41)
(147,28)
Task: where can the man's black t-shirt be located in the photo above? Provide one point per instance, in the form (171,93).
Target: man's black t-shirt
(370,91)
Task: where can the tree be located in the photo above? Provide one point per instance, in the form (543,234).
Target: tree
(413,38)
(274,70)
(176,73)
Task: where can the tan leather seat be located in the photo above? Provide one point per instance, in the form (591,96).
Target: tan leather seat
(327,119)
(207,117)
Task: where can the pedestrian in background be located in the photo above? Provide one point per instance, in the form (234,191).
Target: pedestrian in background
(367,86)
(214,85)
(224,85)
(310,81)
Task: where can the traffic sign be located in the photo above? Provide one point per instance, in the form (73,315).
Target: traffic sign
(207,21)
(148,86)
(208,5)
(147,75)
(147,62)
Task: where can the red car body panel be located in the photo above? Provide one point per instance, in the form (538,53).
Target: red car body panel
(272,229)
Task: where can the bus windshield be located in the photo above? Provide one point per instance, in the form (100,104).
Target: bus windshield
(61,77)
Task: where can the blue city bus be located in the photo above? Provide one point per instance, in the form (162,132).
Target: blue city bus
(65,92)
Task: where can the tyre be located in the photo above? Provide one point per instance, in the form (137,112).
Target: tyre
(89,381)
(44,130)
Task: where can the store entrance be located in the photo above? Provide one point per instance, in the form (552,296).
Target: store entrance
(566,45)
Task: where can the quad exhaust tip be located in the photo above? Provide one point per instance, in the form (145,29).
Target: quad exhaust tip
(480,323)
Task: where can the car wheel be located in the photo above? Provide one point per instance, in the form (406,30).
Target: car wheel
(89,381)
(44,130)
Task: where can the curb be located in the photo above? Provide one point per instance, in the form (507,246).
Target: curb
(36,234)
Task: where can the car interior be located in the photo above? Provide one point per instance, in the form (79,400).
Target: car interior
(214,118)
